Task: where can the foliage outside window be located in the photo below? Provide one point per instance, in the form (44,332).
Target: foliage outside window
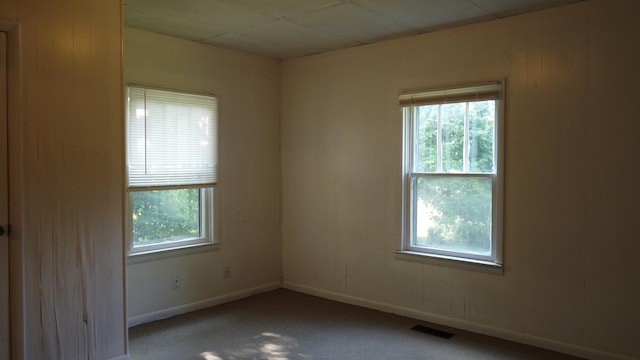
(452,175)
(172,160)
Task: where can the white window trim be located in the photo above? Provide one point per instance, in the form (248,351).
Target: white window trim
(209,216)
(494,263)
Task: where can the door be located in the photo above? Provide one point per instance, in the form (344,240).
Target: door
(4,205)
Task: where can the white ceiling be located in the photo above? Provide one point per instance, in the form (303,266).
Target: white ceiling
(284,29)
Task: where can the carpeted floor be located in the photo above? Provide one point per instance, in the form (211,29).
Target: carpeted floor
(286,325)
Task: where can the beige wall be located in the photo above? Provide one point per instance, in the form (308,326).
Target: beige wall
(571,181)
(248,92)
(66,163)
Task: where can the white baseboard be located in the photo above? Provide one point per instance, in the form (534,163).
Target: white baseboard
(527,339)
(182,309)
(121,357)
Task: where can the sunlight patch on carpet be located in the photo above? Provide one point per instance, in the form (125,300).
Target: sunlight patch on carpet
(208,355)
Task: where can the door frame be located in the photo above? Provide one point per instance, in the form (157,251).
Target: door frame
(5,323)
(15,157)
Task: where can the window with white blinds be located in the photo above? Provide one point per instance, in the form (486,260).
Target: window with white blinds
(172,178)
(171,139)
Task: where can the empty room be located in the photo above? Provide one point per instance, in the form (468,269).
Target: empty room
(248,179)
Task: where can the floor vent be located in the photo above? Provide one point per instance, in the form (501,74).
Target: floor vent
(432,331)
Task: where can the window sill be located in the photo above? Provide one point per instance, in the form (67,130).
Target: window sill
(155,255)
(458,263)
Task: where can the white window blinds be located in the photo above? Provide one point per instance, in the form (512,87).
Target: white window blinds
(488,91)
(171,139)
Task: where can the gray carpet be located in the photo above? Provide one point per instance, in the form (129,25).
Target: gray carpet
(286,325)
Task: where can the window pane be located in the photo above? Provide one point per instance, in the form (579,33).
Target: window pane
(165,216)
(426,150)
(481,136)
(453,214)
(452,120)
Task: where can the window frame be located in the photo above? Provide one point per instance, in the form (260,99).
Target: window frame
(208,200)
(207,225)
(464,93)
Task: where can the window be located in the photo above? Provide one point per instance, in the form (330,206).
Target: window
(452,173)
(172,160)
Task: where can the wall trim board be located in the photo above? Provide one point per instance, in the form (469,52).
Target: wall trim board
(13,29)
(202,304)
(122,357)
(501,333)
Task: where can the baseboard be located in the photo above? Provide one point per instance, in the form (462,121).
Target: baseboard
(182,309)
(121,357)
(527,339)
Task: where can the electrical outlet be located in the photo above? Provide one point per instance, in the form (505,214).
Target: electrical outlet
(177,281)
(226,272)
